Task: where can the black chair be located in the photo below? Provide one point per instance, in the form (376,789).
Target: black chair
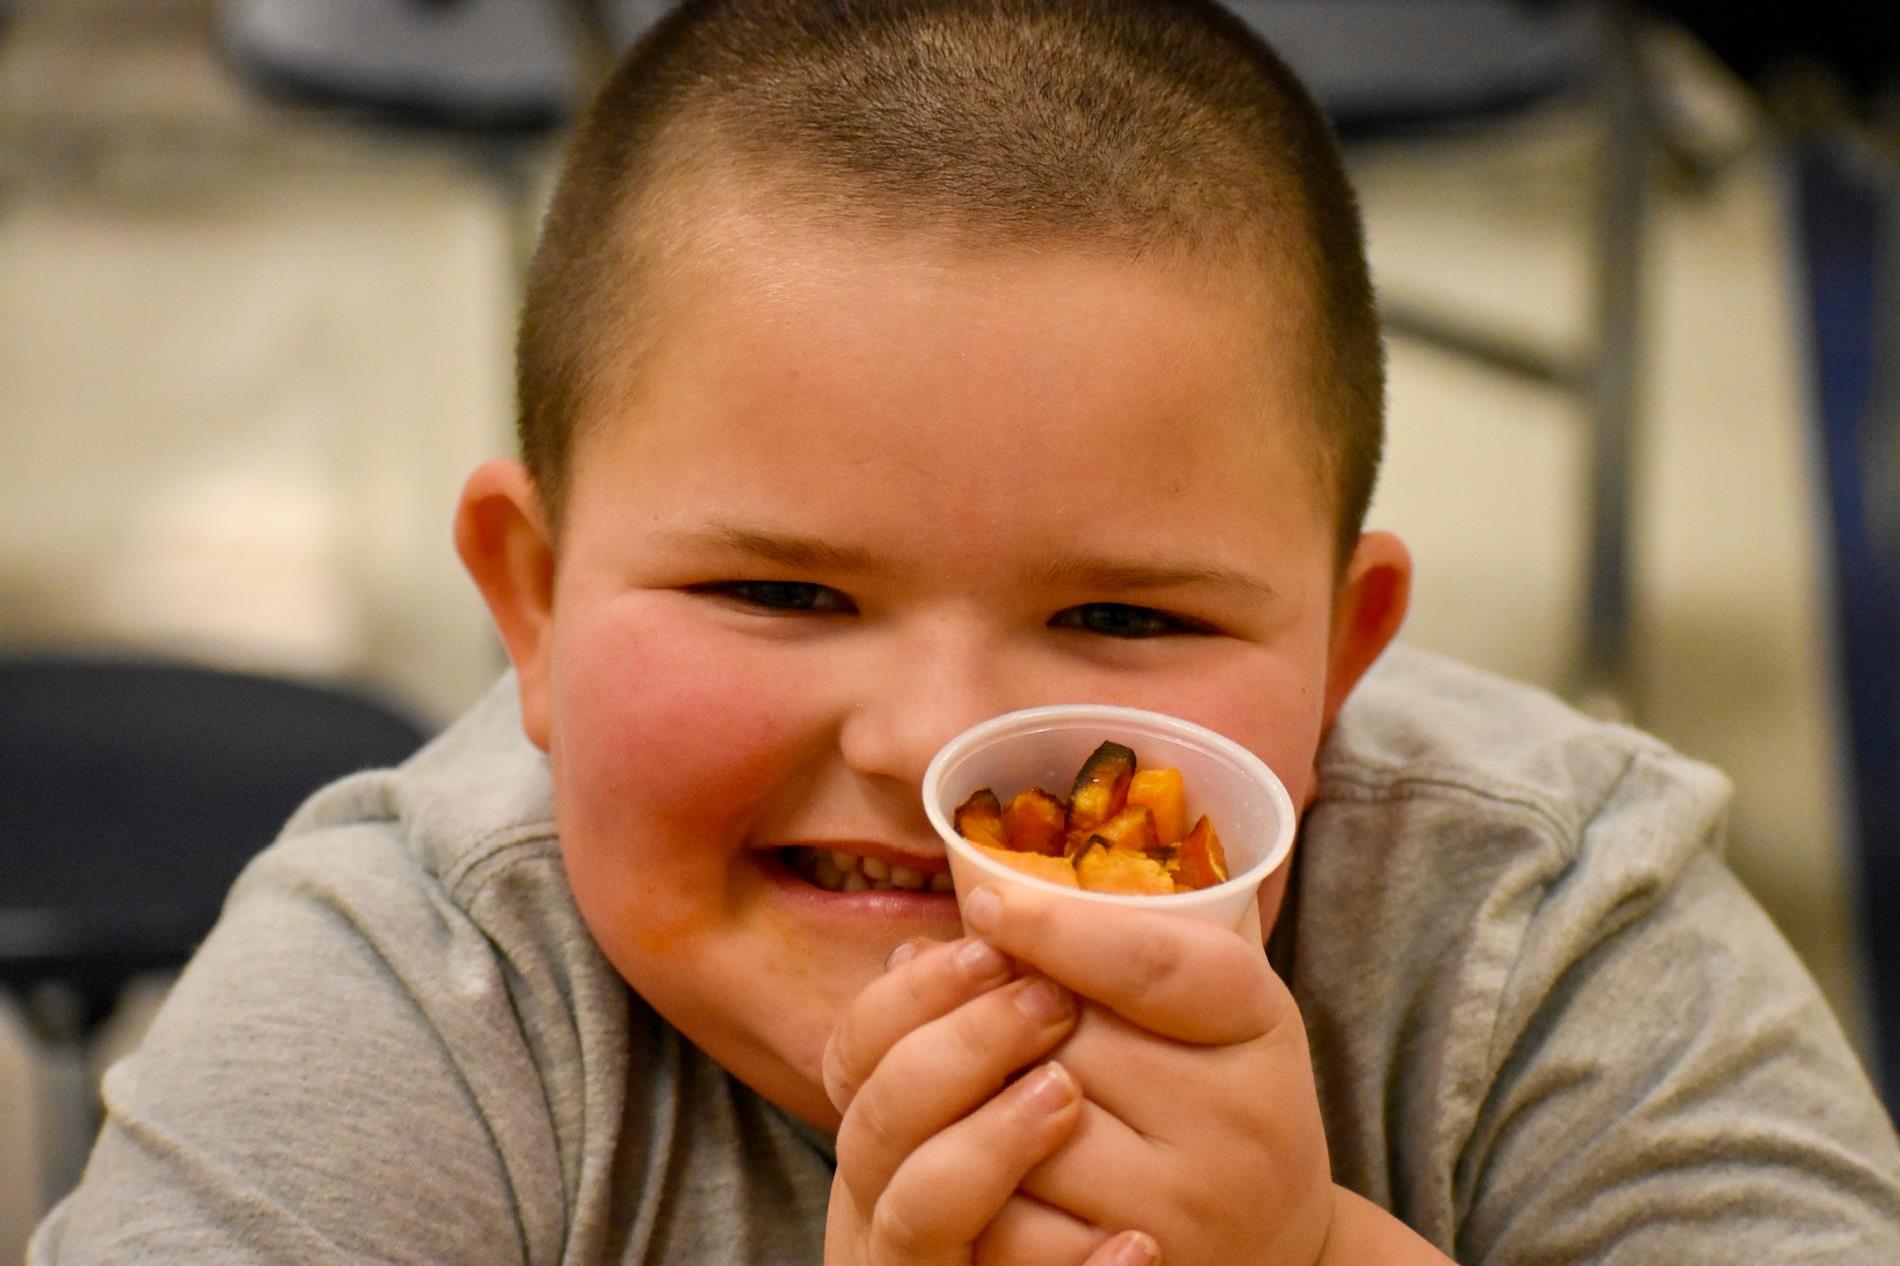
(132,792)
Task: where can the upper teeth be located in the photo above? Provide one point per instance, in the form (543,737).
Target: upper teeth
(839,871)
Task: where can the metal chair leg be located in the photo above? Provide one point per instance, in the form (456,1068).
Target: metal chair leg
(1604,674)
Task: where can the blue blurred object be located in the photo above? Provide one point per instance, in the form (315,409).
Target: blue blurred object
(495,63)
(1846,202)
(1385,66)
(476,65)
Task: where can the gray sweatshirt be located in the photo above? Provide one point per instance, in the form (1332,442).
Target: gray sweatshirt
(1548,1027)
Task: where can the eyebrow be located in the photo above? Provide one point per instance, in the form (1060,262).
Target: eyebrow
(785,549)
(1083,571)
(1117,574)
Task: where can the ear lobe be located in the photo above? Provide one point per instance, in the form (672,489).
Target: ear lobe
(1367,613)
(502,536)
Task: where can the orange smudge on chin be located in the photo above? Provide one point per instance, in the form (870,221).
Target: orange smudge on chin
(665,939)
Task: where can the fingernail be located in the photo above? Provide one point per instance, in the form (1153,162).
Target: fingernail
(903,953)
(1044,1001)
(1137,1248)
(982,908)
(979,960)
(1050,1087)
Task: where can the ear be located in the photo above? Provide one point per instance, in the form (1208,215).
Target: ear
(502,535)
(1367,612)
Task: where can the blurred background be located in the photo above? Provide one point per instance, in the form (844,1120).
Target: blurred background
(258,272)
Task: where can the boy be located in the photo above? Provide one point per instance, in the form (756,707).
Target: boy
(887,366)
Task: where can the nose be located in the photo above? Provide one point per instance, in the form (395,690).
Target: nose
(926,685)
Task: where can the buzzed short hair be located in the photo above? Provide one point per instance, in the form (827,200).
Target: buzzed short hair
(1136,126)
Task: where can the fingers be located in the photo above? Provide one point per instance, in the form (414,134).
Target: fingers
(955,1183)
(933,981)
(1027,1231)
(1104,1160)
(940,1072)
(1157,970)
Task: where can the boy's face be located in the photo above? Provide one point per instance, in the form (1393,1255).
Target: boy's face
(865,494)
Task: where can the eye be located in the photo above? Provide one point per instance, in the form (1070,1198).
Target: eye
(781,595)
(1119,619)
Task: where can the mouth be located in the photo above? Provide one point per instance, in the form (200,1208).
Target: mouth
(835,870)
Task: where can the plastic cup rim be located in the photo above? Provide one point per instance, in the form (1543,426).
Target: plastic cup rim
(1068,715)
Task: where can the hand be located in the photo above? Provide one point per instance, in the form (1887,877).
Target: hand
(1200,1122)
(936,1137)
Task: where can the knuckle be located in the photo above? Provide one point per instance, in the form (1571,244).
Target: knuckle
(899,1230)
(840,1088)
(841,1079)
(873,1131)
(1152,964)
(924,983)
(928,982)
(1201,1202)
(980,1033)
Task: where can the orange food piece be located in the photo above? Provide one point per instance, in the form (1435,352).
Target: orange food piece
(1133,828)
(979,819)
(1163,792)
(1103,869)
(1056,870)
(1203,863)
(1120,831)
(1101,786)
(1035,822)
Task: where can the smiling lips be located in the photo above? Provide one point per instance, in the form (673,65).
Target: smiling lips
(837,871)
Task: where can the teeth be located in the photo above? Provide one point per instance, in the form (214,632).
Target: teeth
(837,871)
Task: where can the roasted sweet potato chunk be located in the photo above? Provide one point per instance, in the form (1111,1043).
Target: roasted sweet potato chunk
(1035,822)
(1103,869)
(1203,861)
(1163,793)
(1056,870)
(1101,786)
(980,819)
(1120,831)
(1133,828)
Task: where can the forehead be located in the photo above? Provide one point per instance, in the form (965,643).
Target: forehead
(793,308)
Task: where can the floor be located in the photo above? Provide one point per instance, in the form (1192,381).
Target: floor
(249,355)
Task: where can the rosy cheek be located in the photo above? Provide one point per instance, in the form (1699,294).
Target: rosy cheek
(1273,713)
(667,726)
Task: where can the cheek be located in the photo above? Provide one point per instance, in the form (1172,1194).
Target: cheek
(665,735)
(1272,704)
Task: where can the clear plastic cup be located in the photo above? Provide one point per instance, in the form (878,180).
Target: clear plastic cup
(1043,747)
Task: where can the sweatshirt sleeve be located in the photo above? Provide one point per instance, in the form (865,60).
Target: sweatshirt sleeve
(337,1076)
(1678,1092)
(1549,1026)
